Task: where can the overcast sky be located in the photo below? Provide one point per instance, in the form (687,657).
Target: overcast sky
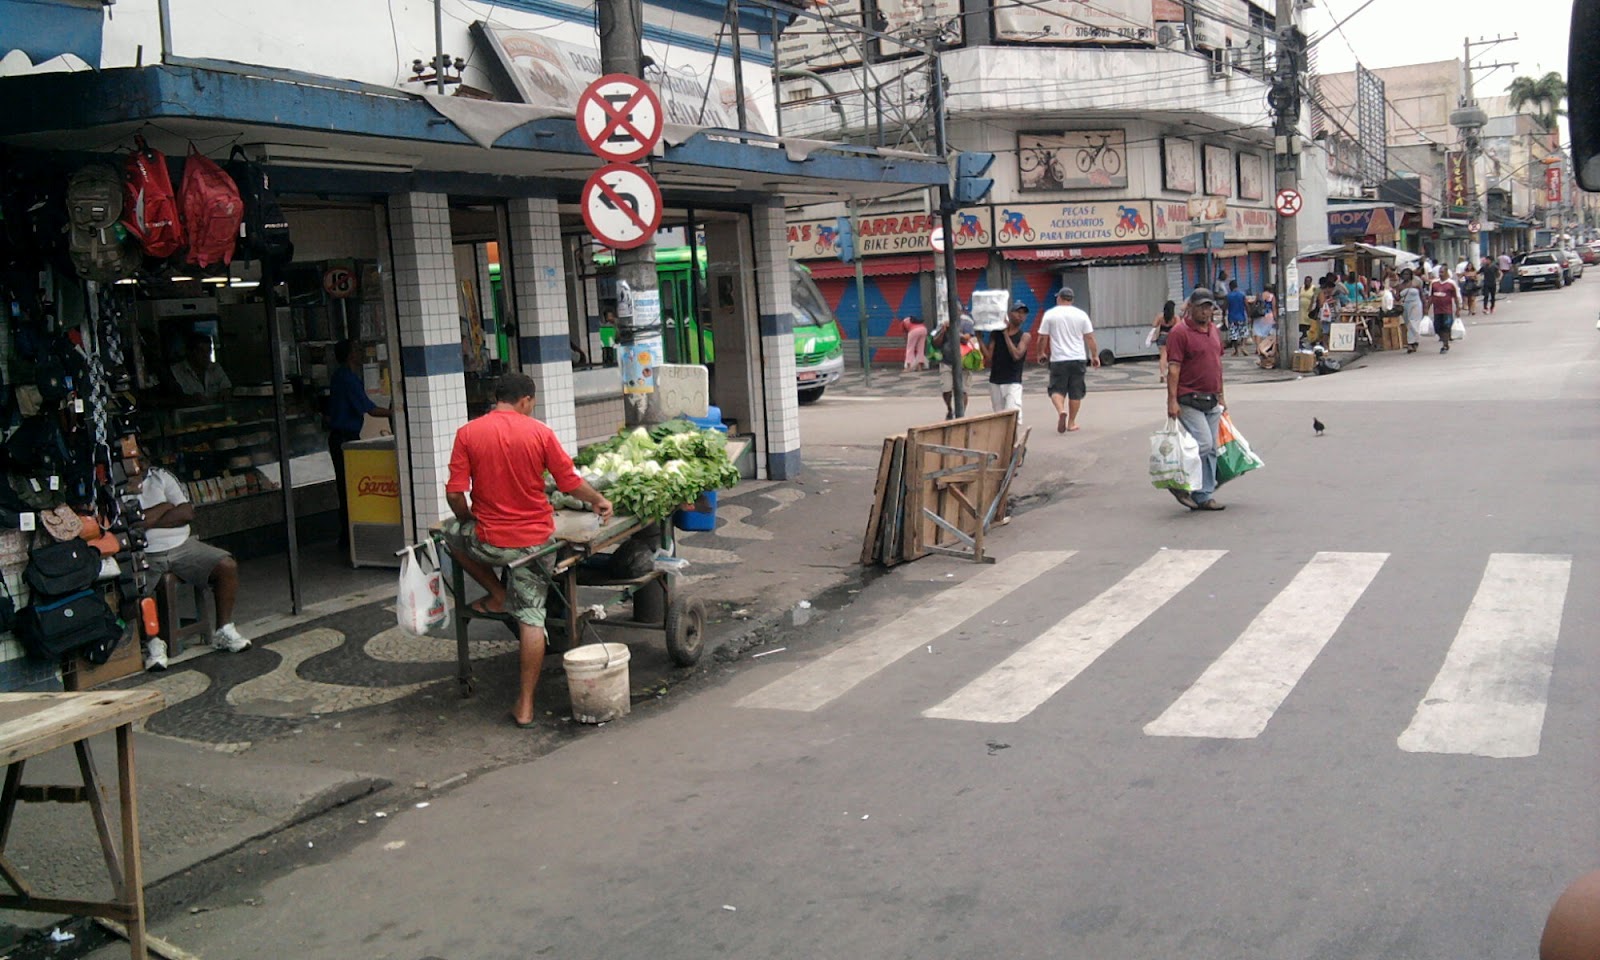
(1390,33)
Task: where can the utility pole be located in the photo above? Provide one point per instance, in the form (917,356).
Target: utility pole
(1285,102)
(951,347)
(1470,118)
(639,329)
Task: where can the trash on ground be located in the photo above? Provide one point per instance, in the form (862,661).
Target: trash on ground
(866,816)
(730,908)
(58,935)
(423,805)
(394,845)
(804,604)
(597,611)
(767,653)
(380,814)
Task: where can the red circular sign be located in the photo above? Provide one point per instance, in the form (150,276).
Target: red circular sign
(339,282)
(936,239)
(1288,202)
(621,205)
(619,118)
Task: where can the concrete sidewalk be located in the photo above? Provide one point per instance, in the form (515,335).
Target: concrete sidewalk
(338,705)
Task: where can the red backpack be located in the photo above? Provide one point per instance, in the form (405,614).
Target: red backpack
(212,210)
(149,210)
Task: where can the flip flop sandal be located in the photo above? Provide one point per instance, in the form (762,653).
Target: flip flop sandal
(1210,505)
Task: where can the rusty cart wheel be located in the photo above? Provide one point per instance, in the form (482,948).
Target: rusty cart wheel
(686,631)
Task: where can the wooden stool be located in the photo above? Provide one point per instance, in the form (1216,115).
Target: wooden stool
(175,629)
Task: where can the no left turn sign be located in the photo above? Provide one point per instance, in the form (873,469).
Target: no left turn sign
(619,118)
(621,206)
(1288,202)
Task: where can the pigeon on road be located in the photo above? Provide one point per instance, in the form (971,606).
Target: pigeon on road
(1317,426)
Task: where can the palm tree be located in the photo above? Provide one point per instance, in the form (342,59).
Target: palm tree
(1543,94)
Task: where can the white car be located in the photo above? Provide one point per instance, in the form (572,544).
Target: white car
(1539,267)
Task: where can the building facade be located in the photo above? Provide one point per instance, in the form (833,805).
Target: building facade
(440,228)
(1133,154)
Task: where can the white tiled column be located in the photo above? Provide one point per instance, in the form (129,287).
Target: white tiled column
(429,323)
(543,342)
(770,233)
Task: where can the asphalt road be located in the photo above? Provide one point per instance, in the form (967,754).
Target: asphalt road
(1351,717)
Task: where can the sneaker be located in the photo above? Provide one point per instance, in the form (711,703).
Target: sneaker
(155,655)
(228,638)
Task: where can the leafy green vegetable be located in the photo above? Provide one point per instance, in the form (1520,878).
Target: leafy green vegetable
(651,478)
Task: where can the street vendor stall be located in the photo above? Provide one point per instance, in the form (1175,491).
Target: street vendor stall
(615,562)
(649,475)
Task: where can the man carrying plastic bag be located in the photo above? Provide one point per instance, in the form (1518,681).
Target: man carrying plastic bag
(1234,455)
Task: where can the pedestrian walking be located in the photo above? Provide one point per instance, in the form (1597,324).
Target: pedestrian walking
(1238,318)
(1265,329)
(1446,299)
(916,344)
(1490,274)
(1508,275)
(1195,393)
(1160,330)
(1007,353)
(1411,308)
(1469,289)
(1072,352)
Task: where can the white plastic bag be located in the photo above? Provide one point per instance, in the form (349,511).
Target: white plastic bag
(1150,338)
(420,603)
(1174,458)
(1458,330)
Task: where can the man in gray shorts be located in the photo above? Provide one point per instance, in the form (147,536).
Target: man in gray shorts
(167,515)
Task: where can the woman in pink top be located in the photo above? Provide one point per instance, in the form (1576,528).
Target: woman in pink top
(916,344)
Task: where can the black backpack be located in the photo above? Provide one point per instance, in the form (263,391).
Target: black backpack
(61,569)
(77,623)
(264,231)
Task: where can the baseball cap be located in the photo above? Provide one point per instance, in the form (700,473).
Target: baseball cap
(1017,305)
(1065,293)
(1202,295)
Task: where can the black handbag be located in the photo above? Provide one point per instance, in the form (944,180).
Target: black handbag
(79,622)
(59,569)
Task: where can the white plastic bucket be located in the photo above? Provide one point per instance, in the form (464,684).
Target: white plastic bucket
(597,679)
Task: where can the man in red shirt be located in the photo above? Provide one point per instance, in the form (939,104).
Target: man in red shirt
(501,459)
(1194,390)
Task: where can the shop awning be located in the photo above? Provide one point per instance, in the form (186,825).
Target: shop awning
(363,139)
(1078,253)
(1325,251)
(890,266)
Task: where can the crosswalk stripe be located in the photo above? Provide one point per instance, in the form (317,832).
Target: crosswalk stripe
(823,681)
(1241,690)
(1033,674)
(1488,699)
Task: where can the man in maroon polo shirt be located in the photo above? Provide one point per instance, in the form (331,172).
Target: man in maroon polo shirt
(500,459)
(1194,390)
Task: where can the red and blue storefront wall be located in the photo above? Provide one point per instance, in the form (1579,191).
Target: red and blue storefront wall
(894,290)
(1252,270)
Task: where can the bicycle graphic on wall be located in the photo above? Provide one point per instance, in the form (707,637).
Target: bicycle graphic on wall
(1073,160)
(1015,225)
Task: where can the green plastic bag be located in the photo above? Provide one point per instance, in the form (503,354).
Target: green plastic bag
(1234,455)
(972,358)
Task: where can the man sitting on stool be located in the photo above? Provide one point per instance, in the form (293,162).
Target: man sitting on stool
(167,515)
(500,459)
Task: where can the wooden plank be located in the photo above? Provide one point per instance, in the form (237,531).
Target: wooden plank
(895,510)
(157,946)
(880,494)
(35,723)
(132,865)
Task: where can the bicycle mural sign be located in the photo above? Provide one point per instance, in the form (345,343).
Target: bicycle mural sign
(888,233)
(1068,224)
(1072,160)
